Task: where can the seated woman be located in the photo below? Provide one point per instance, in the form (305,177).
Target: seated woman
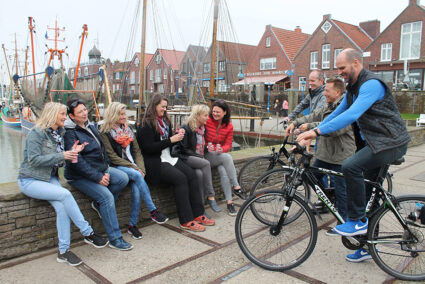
(38,178)
(125,155)
(192,151)
(91,174)
(219,136)
(155,141)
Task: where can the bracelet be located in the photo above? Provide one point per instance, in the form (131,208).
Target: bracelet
(317,132)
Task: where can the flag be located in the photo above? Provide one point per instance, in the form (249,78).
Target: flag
(46,35)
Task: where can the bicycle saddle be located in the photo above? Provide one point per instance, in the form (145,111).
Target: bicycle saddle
(398,161)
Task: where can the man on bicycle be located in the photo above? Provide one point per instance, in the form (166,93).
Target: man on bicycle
(380,133)
(334,148)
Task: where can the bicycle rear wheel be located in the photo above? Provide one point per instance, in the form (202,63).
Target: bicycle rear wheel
(390,242)
(388,183)
(277,252)
(253,169)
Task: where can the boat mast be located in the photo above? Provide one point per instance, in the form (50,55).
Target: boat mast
(56,51)
(31,27)
(8,69)
(83,35)
(142,66)
(16,61)
(214,49)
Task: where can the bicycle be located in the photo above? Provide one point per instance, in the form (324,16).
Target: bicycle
(276,228)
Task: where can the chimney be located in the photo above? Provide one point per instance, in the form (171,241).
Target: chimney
(414,2)
(298,29)
(327,17)
(372,28)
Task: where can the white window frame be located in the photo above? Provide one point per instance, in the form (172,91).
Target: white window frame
(221,66)
(207,68)
(158,59)
(337,51)
(326,27)
(326,56)
(302,79)
(151,74)
(158,75)
(386,51)
(314,60)
(221,86)
(268,42)
(410,34)
(136,62)
(132,77)
(268,63)
(165,73)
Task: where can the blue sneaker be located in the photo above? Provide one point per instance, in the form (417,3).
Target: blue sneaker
(358,256)
(352,228)
(120,244)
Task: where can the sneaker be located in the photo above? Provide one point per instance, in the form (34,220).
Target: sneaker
(332,233)
(231,209)
(213,205)
(158,217)
(204,220)
(193,226)
(240,193)
(352,228)
(69,257)
(96,240)
(358,256)
(120,244)
(95,206)
(134,232)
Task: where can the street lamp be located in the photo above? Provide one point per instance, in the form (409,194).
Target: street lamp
(268,95)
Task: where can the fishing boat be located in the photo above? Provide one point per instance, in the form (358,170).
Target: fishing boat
(10,117)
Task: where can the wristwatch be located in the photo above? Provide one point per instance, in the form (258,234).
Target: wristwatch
(317,132)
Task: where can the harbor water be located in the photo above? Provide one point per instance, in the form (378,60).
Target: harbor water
(10,153)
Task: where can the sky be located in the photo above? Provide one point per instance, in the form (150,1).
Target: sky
(115,28)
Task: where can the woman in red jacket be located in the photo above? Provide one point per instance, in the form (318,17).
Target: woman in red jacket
(219,137)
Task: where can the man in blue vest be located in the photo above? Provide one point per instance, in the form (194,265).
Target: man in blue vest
(380,134)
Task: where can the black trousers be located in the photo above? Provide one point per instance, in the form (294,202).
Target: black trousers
(186,190)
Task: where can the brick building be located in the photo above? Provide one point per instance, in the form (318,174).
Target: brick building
(134,74)
(191,67)
(87,78)
(232,60)
(400,48)
(162,70)
(326,42)
(272,61)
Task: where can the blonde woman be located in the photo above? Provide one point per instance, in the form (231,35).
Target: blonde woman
(192,150)
(125,155)
(38,178)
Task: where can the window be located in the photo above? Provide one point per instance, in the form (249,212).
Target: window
(326,56)
(410,40)
(117,75)
(151,75)
(158,76)
(326,27)
(86,71)
(207,68)
(301,83)
(386,50)
(165,73)
(158,59)
(161,88)
(267,41)
(136,62)
(171,76)
(268,63)
(221,85)
(185,67)
(205,83)
(412,82)
(118,87)
(72,73)
(337,51)
(113,88)
(221,66)
(132,77)
(314,59)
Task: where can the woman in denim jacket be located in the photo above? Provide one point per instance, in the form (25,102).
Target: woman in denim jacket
(38,178)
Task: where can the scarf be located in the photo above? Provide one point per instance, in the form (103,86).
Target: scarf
(122,135)
(59,148)
(164,129)
(200,140)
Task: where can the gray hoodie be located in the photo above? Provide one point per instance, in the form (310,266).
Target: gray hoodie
(314,100)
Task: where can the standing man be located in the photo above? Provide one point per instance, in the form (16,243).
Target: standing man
(315,98)
(380,133)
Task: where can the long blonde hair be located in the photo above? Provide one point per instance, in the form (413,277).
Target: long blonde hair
(49,116)
(196,111)
(112,115)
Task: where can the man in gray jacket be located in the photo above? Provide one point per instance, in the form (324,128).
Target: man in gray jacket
(334,148)
(315,98)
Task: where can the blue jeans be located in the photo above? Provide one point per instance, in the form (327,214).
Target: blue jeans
(340,187)
(65,206)
(138,188)
(106,197)
(365,164)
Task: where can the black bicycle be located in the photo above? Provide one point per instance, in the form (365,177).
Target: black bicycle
(276,228)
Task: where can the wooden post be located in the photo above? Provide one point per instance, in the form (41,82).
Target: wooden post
(142,67)
(108,94)
(214,49)
(83,35)
(31,27)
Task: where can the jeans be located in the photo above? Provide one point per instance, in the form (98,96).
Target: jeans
(106,197)
(365,164)
(340,187)
(138,188)
(65,206)
(203,172)
(226,170)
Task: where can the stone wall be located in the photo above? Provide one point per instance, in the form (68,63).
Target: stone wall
(28,225)
(410,101)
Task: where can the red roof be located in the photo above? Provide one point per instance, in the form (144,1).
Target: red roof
(172,57)
(355,34)
(291,41)
(236,51)
(148,57)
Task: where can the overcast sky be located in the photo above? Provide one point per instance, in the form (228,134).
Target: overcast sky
(176,24)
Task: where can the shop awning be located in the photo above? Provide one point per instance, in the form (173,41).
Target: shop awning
(261,79)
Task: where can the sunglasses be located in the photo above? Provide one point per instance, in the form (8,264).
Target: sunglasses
(75,104)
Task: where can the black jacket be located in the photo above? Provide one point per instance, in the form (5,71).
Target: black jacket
(151,146)
(186,147)
(93,162)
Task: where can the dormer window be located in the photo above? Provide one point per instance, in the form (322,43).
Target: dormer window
(326,27)
(158,59)
(136,62)
(267,41)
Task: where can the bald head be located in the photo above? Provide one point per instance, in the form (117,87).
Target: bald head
(350,55)
(349,64)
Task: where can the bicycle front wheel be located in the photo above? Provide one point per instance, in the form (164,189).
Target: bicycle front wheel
(267,249)
(395,250)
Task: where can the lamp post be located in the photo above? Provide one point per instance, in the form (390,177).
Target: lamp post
(302,86)
(188,91)
(268,95)
(177,87)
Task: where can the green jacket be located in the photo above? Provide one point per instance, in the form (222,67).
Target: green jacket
(116,160)
(334,147)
